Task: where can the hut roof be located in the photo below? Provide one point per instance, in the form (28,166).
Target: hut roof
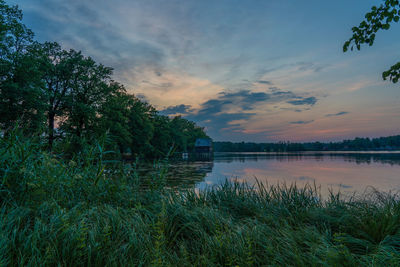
(203,142)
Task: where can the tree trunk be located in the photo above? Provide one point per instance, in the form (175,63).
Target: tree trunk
(51,117)
(79,129)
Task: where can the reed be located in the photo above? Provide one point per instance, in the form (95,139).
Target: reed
(88,211)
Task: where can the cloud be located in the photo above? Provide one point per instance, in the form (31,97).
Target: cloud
(291,71)
(243,100)
(297,109)
(301,122)
(274,89)
(142,97)
(365,82)
(218,124)
(337,114)
(310,66)
(119,34)
(265,82)
(304,101)
(232,111)
(246,100)
(172,88)
(79,26)
(178,109)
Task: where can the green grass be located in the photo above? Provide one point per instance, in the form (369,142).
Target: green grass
(88,211)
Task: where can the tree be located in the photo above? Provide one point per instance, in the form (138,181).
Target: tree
(162,138)
(91,85)
(115,117)
(184,133)
(57,68)
(380,18)
(141,126)
(20,83)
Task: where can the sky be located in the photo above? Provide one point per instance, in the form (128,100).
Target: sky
(255,70)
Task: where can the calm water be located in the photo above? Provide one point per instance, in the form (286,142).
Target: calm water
(348,172)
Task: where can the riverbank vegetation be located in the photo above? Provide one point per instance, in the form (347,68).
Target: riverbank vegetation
(89,211)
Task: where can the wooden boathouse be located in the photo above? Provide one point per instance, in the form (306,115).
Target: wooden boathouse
(203,145)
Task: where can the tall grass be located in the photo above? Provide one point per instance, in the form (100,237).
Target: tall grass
(87,211)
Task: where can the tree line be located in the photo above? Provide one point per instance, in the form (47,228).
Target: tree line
(72,100)
(357,144)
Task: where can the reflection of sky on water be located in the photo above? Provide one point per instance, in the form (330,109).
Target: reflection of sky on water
(181,174)
(344,172)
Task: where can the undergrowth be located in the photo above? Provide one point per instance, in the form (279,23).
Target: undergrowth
(89,211)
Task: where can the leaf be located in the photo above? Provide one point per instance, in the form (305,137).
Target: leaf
(99,173)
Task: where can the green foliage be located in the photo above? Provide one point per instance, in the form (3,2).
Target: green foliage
(115,117)
(90,89)
(20,98)
(184,133)
(140,124)
(88,211)
(393,73)
(162,140)
(379,18)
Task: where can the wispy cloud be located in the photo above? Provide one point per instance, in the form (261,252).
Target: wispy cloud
(304,101)
(78,25)
(265,82)
(360,85)
(301,122)
(310,66)
(178,109)
(337,114)
(169,88)
(230,111)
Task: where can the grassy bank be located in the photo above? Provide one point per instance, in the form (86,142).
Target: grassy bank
(91,212)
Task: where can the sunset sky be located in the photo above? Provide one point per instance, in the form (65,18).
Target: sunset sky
(266,70)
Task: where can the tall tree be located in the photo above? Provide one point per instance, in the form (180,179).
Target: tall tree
(115,115)
(162,140)
(90,88)
(379,18)
(141,126)
(20,83)
(57,68)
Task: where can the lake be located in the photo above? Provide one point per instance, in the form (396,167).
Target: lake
(347,172)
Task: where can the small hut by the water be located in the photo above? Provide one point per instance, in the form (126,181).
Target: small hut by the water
(203,145)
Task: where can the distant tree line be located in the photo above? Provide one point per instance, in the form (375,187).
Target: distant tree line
(357,144)
(71,100)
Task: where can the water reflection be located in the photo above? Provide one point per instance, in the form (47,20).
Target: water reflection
(180,174)
(392,158)
(347,172)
